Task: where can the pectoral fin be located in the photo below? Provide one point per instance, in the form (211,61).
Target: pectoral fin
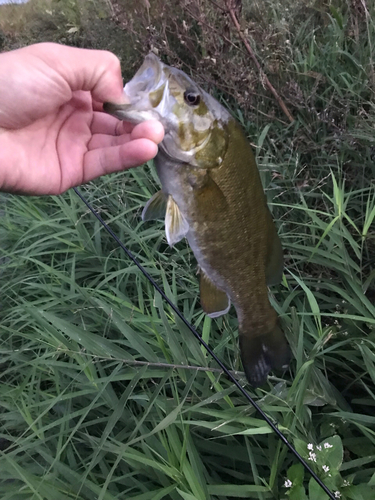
(214,301)
(275,259)
(176,226)
(156,207)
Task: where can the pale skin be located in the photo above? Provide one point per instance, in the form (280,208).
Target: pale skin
(53,133)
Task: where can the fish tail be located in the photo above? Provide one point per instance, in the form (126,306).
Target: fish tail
(262,353)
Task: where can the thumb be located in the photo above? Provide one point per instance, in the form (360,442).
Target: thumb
(38,79)
(97,71)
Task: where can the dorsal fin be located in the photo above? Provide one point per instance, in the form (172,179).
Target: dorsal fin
(275,259)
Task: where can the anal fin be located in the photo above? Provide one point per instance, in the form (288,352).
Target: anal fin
(214,301)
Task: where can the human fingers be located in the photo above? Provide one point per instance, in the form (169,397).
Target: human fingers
(106,141)
(98,106)
(108,125)
(97,71)
(37,80)
(106,160)
(102,123)
(151,129)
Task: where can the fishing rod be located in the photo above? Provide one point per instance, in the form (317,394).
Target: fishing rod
(279,434)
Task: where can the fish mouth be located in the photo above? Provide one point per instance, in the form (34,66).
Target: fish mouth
(155,93)
(146,78)
(137,107)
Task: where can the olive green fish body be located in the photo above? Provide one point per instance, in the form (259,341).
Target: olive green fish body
(232,235)
(212,194)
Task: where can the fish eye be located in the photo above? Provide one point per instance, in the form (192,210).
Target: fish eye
(192,98)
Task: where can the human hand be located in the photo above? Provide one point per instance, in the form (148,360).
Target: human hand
(53,134)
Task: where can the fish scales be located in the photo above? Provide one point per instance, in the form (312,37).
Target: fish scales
(240,217)
(212,194)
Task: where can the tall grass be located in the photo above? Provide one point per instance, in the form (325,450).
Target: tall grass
(105,394)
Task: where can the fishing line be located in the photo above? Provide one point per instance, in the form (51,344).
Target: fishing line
(279,434)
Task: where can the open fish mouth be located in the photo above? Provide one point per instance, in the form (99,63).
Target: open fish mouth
(190,117)
(148,79)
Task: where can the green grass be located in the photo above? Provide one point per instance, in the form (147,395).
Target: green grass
(105,394)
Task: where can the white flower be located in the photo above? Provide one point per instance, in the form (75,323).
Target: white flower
(288,483)
(310,446)
(346,483)
(312,456)
(327,445)
(337,494)
(319,448)
(325,468)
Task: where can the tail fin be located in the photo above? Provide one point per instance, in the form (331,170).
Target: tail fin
(262,353)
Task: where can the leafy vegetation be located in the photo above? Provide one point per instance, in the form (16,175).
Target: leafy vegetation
(104,393)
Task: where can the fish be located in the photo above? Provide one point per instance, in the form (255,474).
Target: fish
(211,193)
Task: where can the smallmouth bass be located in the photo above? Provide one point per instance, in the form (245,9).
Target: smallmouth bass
(212,195)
